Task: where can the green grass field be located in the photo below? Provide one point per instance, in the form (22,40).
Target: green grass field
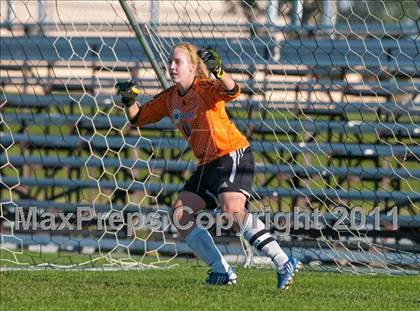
(182,288)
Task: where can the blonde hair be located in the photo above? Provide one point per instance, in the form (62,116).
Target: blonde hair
(201,71)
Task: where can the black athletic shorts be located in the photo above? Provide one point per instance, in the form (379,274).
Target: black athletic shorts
(233,172)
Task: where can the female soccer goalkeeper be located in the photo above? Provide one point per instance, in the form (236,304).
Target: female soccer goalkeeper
(196,104)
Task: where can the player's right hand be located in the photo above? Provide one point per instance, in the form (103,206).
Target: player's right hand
(129,91)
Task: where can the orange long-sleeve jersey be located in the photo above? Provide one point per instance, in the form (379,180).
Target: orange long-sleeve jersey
(201,117)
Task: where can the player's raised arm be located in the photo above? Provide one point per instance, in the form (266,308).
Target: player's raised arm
(214,64)
(151,112)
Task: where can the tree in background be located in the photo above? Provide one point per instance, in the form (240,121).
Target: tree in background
(385,11)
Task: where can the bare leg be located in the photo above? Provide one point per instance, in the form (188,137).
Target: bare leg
(185,207)
(233,205)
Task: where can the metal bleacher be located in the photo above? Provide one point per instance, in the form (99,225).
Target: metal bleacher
(356,129)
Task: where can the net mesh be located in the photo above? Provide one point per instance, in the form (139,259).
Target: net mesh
(329,102)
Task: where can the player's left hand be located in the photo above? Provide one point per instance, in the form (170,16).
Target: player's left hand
(212,61)
(129,91)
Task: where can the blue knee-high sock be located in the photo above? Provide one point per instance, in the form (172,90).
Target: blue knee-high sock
(203,245)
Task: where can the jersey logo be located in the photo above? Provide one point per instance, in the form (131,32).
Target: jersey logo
(177,115)
(182,116)
(224,185)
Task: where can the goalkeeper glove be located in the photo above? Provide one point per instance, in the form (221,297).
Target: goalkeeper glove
(212,61)
(129,91)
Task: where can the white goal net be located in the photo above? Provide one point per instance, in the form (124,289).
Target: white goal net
(329,103)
